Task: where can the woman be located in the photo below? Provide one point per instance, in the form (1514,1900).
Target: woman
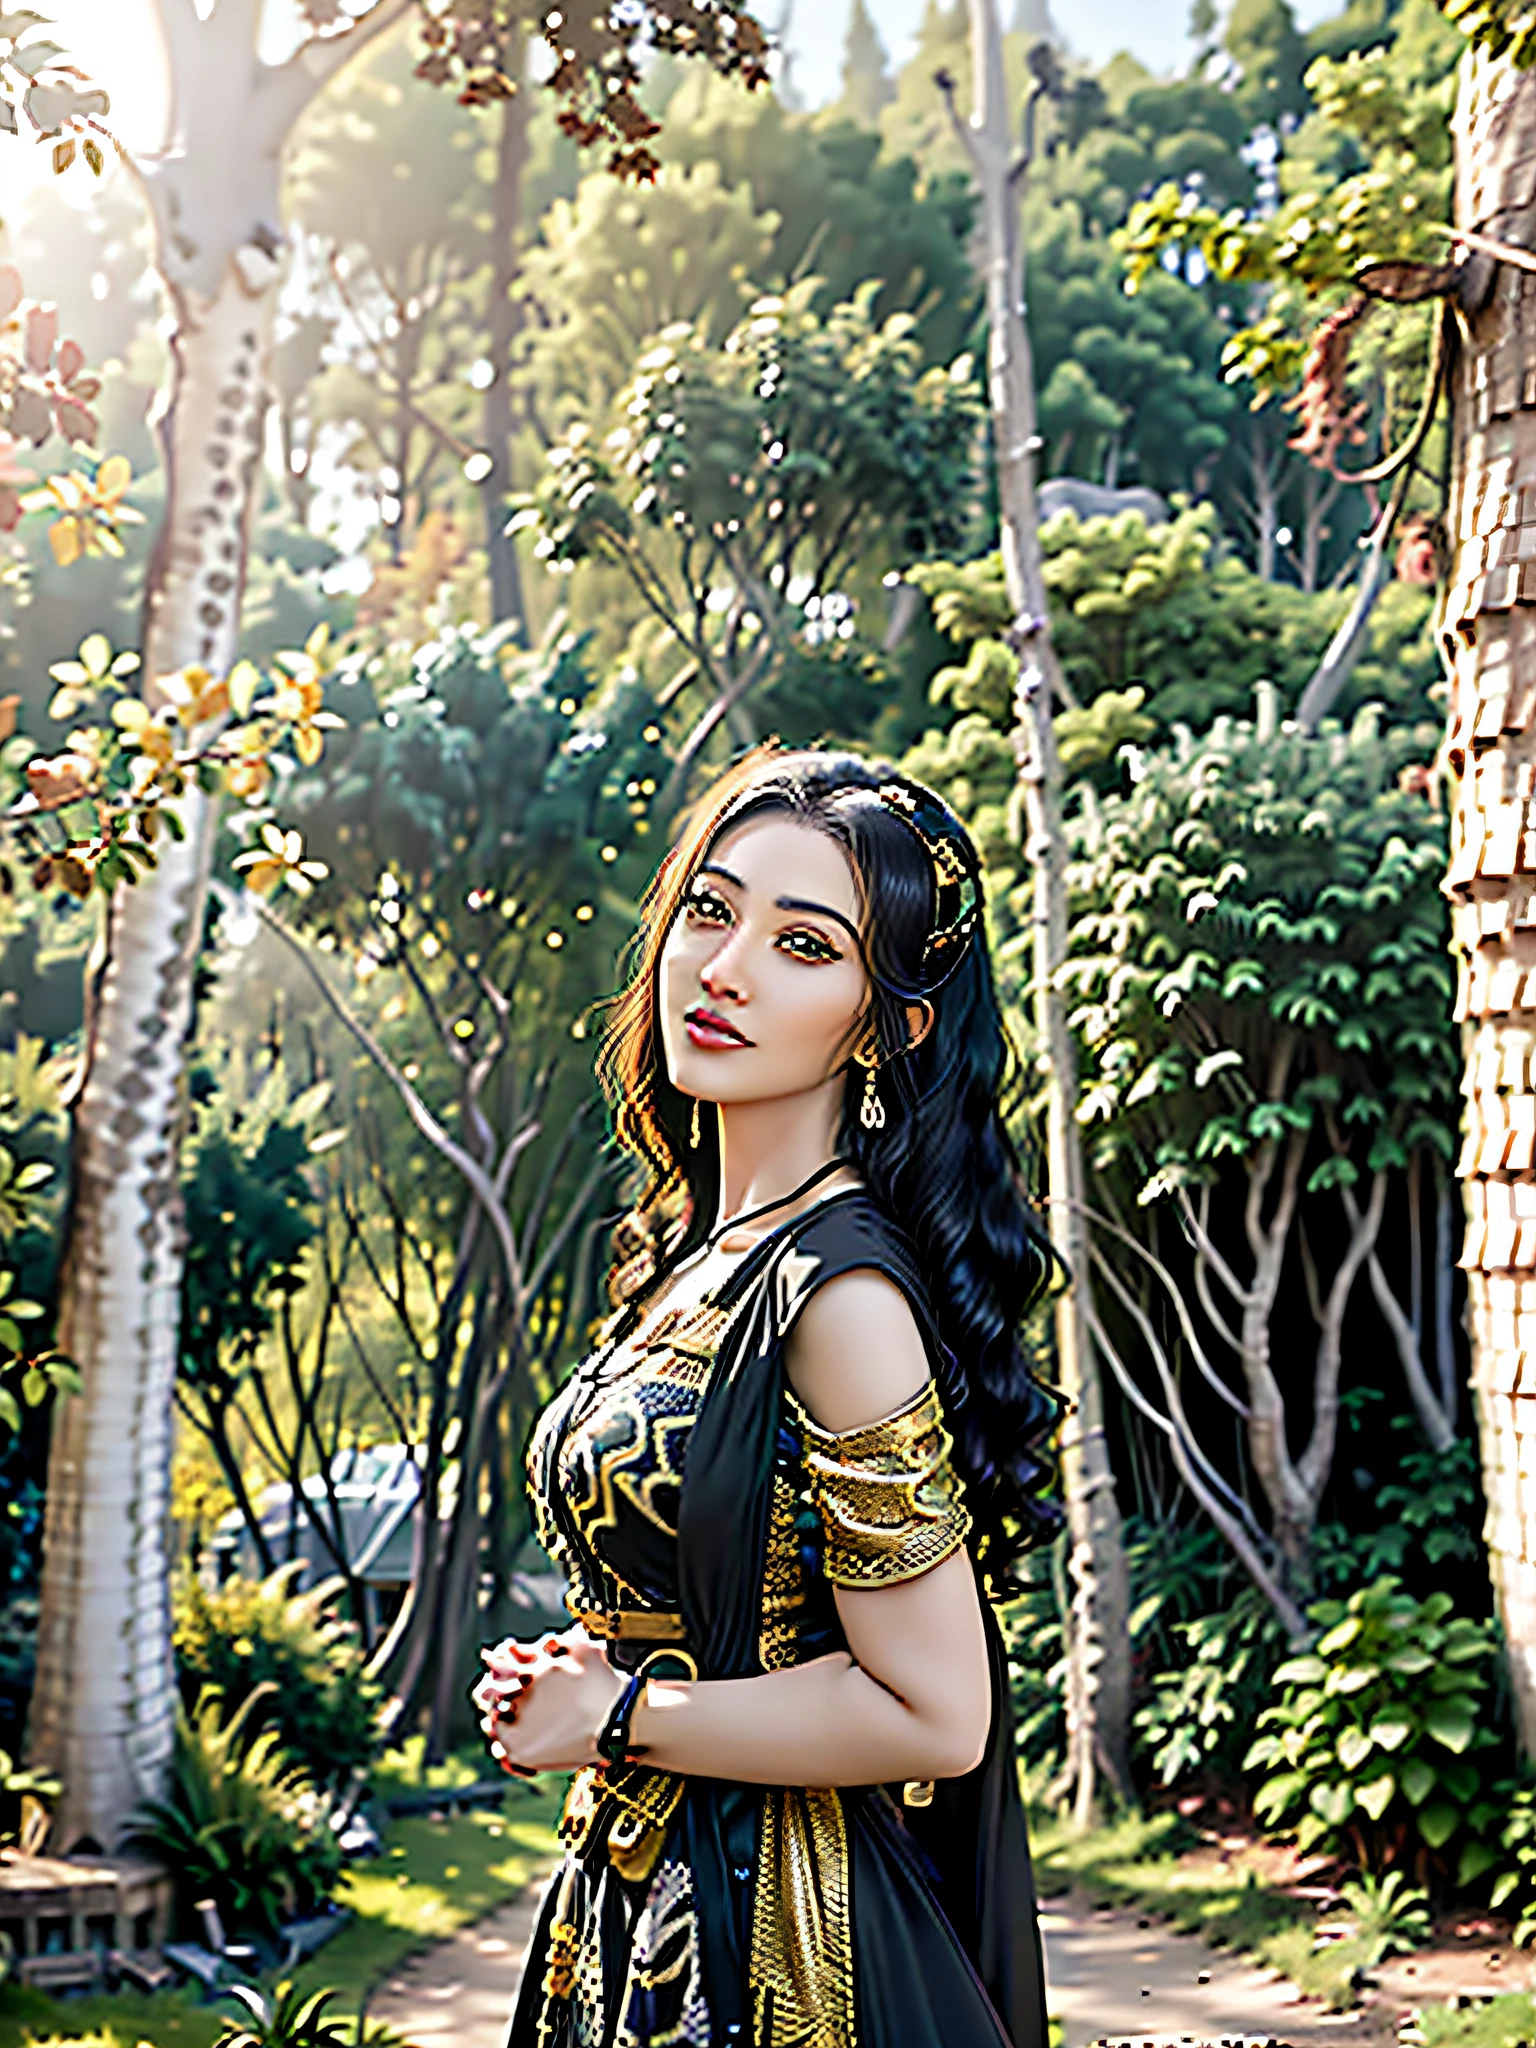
(805,1451)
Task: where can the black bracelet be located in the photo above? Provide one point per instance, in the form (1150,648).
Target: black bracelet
(613,1738)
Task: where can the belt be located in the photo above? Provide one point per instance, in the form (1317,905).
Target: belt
(631,1625)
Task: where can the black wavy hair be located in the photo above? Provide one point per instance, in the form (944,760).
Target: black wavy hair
(943,1166)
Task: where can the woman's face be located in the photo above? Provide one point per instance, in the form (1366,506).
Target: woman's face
(762,983)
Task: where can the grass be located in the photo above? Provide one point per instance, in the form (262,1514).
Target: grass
(170,2019)
(436,1875)
(1501,2023)
(1136,1862)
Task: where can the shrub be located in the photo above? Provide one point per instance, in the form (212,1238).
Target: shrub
(1199,1713)
(1391,1917)
(1514,1889)
(244,1824)
(251,1634)
(1367,1754)
(290,2020)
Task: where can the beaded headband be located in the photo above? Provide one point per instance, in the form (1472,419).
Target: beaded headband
(957,895)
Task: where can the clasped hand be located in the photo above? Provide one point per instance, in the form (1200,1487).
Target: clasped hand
(542,1705)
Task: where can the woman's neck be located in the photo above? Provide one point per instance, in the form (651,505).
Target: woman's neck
(767,1149)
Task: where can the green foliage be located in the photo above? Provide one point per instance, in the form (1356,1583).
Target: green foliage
(1514,1883)
(1036,1645)
(291,1647)
(842,209)
(291,2019)
(1391,1916)
(795,446)
(243,1823)
(1201,1710)
(1259,949)
(1429,1518)
(1367,179)
(250,1202)
(1167,610)
(1371,1740)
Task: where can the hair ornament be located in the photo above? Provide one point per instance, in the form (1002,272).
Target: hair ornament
(957,891)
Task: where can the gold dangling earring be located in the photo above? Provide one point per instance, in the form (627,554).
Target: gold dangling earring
(693,1127)
(871,1109)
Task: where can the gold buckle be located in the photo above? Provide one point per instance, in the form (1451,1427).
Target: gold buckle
(631,1625)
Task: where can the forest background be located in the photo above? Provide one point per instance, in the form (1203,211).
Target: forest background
(569,488)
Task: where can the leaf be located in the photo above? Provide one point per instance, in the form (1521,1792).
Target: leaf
(1213,1063)
(1438,1823)
(1332,1802)
(10,1414)
(1376,1797)
(1354,1746)
(1301,1671)
(1391,1729)
(1418,1779)
(1450,1723)
(244,682)
(1477,1859)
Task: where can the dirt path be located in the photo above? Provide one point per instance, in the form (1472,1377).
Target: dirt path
(1111,1978)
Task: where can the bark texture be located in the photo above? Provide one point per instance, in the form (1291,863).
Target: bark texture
(1490,633)
(1098,1665)
(103,1706)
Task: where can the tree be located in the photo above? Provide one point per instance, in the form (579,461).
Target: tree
(867,85)
(1371,241)
(103,1706)
(486,855)
(1098,1681)
(1258,948)
(1488,619)
(748,494)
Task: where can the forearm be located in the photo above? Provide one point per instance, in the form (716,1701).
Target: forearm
(823,1723)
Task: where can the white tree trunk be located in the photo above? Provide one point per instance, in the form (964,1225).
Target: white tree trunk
(1098,1661)
(103,1706)
(1489,627)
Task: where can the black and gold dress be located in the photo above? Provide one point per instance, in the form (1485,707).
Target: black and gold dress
(704,1520)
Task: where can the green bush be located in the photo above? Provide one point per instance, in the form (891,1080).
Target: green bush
(288,2019)
(1368,1748)
(1199,1711)
(1514,1889)
(244,1824)
(261,1633)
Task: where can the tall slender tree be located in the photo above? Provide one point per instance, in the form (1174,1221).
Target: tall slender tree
(102,1715)
(1098,1672)
(1489,630)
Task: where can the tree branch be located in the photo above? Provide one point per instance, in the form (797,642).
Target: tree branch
(478,1180)
(287,89)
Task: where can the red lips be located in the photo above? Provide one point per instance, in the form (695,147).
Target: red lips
(708,1029)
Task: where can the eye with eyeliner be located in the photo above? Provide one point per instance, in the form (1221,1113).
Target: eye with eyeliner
(707,905)
(804,944)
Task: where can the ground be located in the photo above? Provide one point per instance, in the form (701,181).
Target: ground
(443,1916)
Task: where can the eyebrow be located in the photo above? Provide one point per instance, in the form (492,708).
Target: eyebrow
(711,867)
(818,910)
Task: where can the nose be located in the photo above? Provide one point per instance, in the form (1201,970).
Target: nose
(721,975)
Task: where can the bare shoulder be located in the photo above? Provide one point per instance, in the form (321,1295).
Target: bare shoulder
(856,1355)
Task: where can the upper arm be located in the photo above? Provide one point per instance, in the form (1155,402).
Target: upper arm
(856,1355)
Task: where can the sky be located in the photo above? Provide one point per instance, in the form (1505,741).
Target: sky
(113,40)
(1153,30)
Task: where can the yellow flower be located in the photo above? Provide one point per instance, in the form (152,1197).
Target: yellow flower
(91,510)
(196,694)
(280,859)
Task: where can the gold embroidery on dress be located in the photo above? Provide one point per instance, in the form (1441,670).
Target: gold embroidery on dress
(783,1583)
(802,1950)
(633,1801)
(888,1495)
